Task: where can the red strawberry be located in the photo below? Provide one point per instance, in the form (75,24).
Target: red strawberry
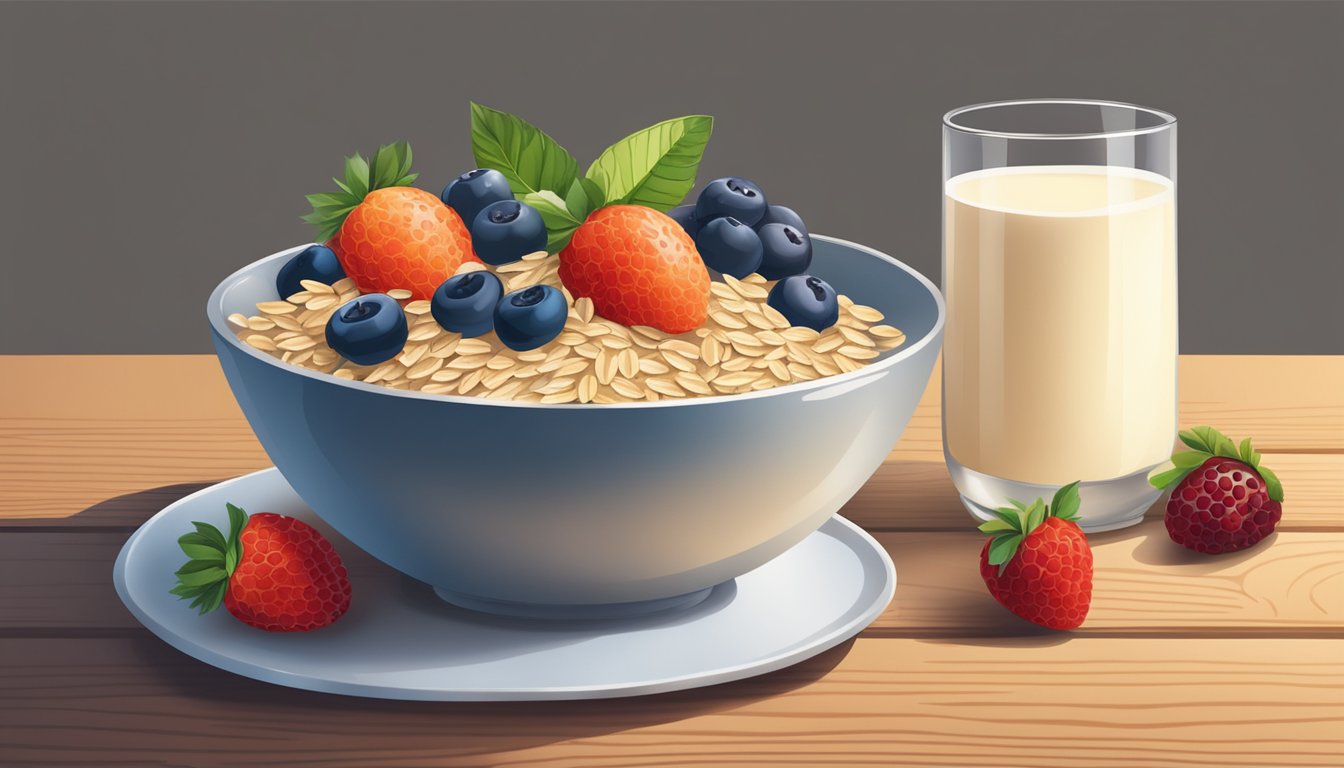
(1038,564)
(1222,498)
(387,234)
(639,267)
(273,572)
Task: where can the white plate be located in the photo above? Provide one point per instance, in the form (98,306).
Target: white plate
(400,641)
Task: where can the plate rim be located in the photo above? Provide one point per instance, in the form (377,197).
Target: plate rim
(793,654)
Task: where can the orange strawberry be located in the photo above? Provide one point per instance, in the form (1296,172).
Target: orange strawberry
(639,267)
(386,234)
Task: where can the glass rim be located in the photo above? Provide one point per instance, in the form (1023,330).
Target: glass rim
(1167,119)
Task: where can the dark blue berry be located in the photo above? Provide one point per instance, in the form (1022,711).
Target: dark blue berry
(471,192)
(465,304)
(316,262)
(786,250)
(507,231)
(805,300)
(729,246)
(731,196)
(779,214)
(531,317)
(685,216)
(368,330)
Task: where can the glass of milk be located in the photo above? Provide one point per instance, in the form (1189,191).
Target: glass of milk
(1059,269)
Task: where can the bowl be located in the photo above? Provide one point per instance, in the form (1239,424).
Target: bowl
(584,510)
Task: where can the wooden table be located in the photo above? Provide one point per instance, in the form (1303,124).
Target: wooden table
(1184,660)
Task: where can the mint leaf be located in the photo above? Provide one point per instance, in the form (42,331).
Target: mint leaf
(654,167)
(560,221)
(528,158)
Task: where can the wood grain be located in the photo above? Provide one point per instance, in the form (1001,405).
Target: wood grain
(1292,584)
(1036,702)
(79,431)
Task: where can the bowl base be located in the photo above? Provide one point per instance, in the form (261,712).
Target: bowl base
(561,612)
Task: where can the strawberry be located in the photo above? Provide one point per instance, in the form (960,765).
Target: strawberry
(1038,563)
(386,234)
(273,572)
(1222,498)
(639,267)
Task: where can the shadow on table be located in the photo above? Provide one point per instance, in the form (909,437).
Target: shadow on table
(119,513)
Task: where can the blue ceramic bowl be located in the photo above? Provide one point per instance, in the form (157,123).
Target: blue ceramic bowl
(573,509)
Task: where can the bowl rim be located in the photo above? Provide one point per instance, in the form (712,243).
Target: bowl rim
(215,314)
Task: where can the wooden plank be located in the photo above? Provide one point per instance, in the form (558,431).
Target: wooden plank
(78,432)
(1145,585)
(1035,702)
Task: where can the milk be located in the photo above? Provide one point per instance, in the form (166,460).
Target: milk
(1060,350)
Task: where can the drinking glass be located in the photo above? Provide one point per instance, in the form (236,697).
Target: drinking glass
(1059,269)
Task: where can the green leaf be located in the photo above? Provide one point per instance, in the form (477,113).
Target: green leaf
(1187,459)
(1066,502)
(195,566)
(203,576)
(357,175)
(210,533)
(203,552)
(528,158)
(655,167)
(560,222)
(1018,504)
(997,526)
(237,519)
(1272,484)
(596,198)
(1248,453)
(1216,442)
(183,591)
(1002,549)
(1035,515)
(577,202)
(1010,516)
(215,597)
(1194,441)
(1168,475)
(391,165)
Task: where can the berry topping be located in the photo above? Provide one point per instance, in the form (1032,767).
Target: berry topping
(786,251)
(531,317)
(368,330)
(473,191)
(465,304)
(316,262)
(731,196)
(507,231)
(806,301)
(729,246)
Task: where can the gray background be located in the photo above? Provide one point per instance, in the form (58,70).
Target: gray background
(153,148)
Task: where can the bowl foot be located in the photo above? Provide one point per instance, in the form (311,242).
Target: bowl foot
(564,612)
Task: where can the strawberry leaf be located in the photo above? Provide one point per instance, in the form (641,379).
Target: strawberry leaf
(1035,515)
(207,575)
(1193,440)
(996,526)
(1002,549)
(1009,515)
(1272,484)
(210,533)
(1248,453)
(1188,459)
(1168,475)
(1066,502)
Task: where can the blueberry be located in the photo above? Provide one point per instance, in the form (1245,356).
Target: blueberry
(531,317)
(368,330)
(779,214)
(316,262)
(805,300)
(507,231)
(685,216)
(469,193)
(731,196)
(465,304)
(730,247)
(786,250)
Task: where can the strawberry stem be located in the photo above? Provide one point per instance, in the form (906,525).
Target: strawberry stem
(204,578)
